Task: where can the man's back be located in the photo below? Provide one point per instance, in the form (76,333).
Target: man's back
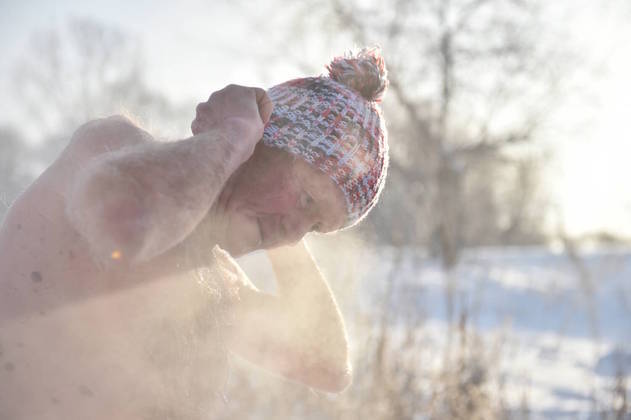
(78,341)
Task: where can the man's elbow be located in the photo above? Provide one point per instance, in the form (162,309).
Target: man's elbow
(333,378)
(335,364)
(339,380)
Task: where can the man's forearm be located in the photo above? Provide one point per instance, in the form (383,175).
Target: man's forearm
(309,301)
(137,203)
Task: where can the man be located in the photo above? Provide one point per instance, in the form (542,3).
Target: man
(99,316)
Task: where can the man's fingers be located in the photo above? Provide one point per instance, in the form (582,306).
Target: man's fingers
(234,100)
(264,103)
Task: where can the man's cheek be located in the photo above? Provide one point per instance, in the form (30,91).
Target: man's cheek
(243,234)
(278,202)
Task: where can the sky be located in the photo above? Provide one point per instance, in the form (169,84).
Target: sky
(590,172)
(195,47)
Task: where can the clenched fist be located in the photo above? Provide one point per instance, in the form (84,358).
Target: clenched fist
(239,110)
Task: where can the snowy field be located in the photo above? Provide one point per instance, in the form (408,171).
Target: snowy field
(565,329)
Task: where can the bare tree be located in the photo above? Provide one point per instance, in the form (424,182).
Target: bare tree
(14,174)
(470,84)
(82,71)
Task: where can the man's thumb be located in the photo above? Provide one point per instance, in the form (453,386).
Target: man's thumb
(264,103)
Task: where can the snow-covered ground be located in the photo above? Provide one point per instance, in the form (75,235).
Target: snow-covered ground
(565,329)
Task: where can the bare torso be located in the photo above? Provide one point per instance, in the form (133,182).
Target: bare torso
(81,341)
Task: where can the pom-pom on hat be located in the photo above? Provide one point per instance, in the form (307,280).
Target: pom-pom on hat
(335,124)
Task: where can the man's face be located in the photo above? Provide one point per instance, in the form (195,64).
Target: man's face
(275,199)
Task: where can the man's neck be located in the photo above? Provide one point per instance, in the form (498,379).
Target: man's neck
(195,250)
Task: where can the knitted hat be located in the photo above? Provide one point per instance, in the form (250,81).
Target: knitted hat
(335,124)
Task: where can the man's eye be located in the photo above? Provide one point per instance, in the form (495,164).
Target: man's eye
(305,200)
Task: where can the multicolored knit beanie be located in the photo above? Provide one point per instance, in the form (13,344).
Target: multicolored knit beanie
(335,124)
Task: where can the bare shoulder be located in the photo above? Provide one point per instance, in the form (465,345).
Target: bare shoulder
(106,135)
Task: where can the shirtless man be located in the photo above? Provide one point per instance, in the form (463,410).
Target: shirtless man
(115,298)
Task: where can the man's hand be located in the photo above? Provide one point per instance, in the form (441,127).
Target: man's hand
(241,111)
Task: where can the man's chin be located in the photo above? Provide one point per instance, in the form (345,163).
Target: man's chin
(238,249)
(236,253)
(243,235)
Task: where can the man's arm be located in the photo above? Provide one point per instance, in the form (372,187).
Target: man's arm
(137,202)
(299,333)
